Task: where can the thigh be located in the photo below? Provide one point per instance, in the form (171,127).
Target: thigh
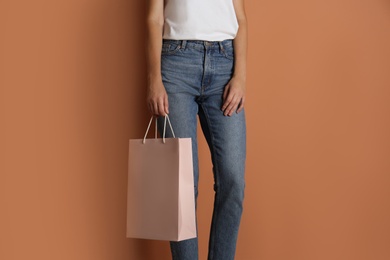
(183,112)
(226,137)
(180,77)
(181,74)
(181,69)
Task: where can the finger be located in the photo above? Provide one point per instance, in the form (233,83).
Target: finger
(155,108)
(161,110)
(226,105)
(241,106)
(166,104)
(225,93)
(150,107)
(231,105)
(227,101)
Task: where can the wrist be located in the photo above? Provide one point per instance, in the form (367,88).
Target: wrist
(154,77)
(239,76)
(239,72)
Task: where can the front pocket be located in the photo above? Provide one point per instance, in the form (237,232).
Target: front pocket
(169,48)
(228,52)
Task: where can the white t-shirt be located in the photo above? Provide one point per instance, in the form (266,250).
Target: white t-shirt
(207,20)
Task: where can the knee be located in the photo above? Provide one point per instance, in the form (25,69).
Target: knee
(231,182)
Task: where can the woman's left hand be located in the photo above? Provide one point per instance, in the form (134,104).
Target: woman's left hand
(233,96)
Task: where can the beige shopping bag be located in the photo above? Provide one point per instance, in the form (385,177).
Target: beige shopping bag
(161,201)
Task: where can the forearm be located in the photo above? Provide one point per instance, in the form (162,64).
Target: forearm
(157,98)
(240,50)
(240,42)
(154,43)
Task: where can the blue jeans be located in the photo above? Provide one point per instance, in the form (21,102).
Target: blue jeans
(194,74)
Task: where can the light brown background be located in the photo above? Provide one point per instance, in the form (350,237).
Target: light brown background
(72,93)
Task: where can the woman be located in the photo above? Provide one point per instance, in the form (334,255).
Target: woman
(197,67)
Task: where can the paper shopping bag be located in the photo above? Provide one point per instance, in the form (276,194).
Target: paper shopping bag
(161,200)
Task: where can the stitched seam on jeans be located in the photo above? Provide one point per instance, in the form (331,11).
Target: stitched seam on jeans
(216,172)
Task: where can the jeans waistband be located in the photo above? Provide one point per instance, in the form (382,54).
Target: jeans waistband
(198,43)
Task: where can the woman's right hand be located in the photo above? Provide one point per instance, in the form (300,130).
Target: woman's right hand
(157,99)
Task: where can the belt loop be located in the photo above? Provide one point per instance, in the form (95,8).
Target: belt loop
(183,44)
(221,46)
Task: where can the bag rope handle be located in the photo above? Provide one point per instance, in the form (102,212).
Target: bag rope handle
(155,132)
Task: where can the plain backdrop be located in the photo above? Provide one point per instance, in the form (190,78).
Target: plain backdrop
(72,93)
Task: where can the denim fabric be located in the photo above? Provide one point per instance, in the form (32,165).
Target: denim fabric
(194,74)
